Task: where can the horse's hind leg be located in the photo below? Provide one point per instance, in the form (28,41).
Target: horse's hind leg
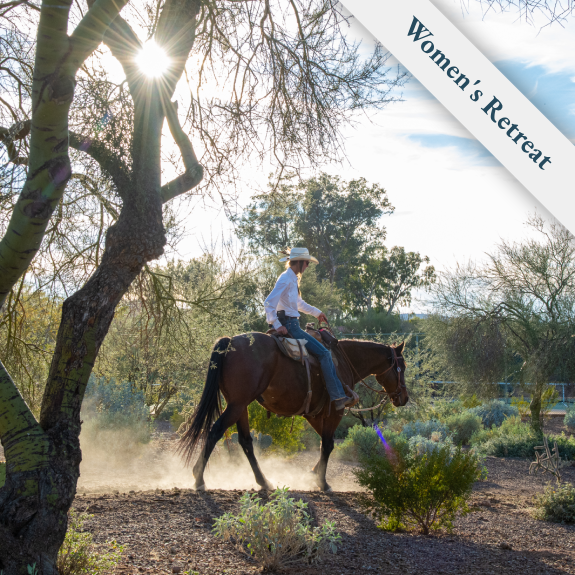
(230,415)
(245,440)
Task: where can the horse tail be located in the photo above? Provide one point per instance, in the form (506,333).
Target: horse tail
(210,406)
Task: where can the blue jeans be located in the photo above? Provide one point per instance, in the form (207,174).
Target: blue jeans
(332,382)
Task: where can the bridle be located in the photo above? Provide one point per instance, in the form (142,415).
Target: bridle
(399,388)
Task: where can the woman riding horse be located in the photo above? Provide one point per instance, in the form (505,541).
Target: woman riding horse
(282,307)
(249,367)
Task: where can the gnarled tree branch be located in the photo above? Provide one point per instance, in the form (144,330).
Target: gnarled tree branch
(194,170)
(107,160)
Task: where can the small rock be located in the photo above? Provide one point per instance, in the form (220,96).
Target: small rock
(176,569)
(505,545)
(173,550)
(132,491)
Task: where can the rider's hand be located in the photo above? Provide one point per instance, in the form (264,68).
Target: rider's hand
(282,330)
(322,319)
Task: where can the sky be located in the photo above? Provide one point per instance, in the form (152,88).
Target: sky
(454,201)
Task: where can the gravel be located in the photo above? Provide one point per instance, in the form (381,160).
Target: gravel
(171,532)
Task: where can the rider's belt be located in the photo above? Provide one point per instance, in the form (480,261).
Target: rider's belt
(283,317)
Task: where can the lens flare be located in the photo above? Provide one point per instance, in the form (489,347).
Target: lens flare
(153,60)
(386,446)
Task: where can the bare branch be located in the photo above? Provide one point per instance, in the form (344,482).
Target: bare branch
(107,160)
(90,31)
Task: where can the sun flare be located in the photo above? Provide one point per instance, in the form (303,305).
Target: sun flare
(153,60)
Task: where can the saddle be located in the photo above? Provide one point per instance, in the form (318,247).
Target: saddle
(296,349)
(293,348)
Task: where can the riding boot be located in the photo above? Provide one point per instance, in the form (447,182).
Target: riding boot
(340,403)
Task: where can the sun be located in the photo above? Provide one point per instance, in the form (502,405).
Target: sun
(152,60)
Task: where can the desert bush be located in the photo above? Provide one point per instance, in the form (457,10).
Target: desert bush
(462,426)
(260,441)
(517,439)
(284,437)
(278,533)
(79,555)
(556,503)
(345,425)
(419,445)
(494,412)
(441,409)
(425,429)
(569,419)
(412,489)
(112,405)
(360,442)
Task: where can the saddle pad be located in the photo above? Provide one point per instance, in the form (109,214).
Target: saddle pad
(292,348)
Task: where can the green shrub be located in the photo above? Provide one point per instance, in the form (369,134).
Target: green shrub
(419,445)
(112,406)
(557,504)
(441,409)
(425,429)
(569,419)
(494,412)
(280,428)
(360,442)
(345,425)
(517,439)
(462,426)
(79,555)
(278,533)
(410,490)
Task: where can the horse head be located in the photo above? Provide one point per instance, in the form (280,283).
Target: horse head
(393,378)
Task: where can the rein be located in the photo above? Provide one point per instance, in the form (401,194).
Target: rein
(388,395)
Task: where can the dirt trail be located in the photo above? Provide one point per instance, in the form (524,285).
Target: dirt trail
(157,466)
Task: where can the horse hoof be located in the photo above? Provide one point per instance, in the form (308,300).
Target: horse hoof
(329,489)
(201,487)
(268,486)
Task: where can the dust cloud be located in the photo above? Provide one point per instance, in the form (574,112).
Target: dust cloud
(113,461)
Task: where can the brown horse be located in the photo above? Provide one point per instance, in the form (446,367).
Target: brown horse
(250,367)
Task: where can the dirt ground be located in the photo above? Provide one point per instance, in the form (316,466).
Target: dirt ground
(142,498)
(170,531)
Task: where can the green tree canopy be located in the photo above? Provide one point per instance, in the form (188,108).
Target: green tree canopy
(333,218)
(340,223)
(383,279)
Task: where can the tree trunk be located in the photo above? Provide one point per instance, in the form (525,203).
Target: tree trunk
(43,459)
(535,407)
(34,503)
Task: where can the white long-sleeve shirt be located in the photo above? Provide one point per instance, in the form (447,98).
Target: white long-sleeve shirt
(285,297)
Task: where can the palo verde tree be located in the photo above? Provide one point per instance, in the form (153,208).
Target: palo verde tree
(272,78)
(513,316)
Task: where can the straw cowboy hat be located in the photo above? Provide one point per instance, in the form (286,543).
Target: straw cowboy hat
(297,254)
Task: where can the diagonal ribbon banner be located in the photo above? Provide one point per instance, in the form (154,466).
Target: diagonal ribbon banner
(478,95)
